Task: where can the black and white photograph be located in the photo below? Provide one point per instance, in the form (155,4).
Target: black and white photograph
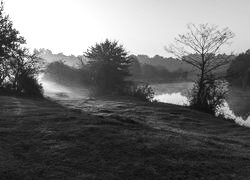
(124,89)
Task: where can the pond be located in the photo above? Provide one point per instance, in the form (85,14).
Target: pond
(237,105)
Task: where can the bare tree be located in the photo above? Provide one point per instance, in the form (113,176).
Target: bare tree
(200,47)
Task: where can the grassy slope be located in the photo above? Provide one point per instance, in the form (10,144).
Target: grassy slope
(42,140)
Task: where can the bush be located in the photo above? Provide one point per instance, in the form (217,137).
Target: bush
(29,86)
(213,96)
(143,92)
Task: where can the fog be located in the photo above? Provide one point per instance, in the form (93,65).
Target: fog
(56,90)
(173,93)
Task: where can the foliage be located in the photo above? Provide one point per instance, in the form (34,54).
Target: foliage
(108,64)
(200,48)
(47,54)
(213,95)
(141,91)
(61,73)
(239,70)
(10,42)
(147,72)
(153,73)
(135,67)
(18,68)
(30,87)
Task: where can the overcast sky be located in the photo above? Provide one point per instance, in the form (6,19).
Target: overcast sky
(142,26)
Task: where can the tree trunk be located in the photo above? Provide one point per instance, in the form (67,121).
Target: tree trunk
(201,83)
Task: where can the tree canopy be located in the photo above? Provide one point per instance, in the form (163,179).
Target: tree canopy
(18,66)
(109,65)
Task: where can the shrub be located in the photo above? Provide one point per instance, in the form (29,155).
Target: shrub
(213,95)
(29,86)
(141,91)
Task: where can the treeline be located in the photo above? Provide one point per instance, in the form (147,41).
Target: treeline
(142,68)
(238,73)
(169,63)
(74,70)
(47,55)
(61,71)
(64,74)
(156,74)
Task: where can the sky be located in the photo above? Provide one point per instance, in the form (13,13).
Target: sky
(142,26)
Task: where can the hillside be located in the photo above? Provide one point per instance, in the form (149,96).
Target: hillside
(117,139)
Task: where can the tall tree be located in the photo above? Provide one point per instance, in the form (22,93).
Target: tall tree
(17,66)
(10,42)
(200,47)
(108,63)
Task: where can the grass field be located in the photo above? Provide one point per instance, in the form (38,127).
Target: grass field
(40,139)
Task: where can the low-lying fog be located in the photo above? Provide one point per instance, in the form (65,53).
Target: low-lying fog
(174,93)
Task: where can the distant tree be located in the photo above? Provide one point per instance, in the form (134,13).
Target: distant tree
(238,72)
(109,66)
(200,48)
(58,71)
(149,71)
(135,67)
(64,74)
(18,68)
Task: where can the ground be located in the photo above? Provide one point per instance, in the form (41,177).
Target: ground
(125,139)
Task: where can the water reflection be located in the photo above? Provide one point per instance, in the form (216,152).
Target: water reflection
(173,98)
(176,93)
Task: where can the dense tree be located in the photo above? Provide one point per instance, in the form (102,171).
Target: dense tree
(149,71)
(10,42)
(239,70)
(109,66)
(200,48)
(18,68)
(135,67)
(62,73)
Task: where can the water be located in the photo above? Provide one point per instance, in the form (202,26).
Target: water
(237,105)
(174,93)
(172,98)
